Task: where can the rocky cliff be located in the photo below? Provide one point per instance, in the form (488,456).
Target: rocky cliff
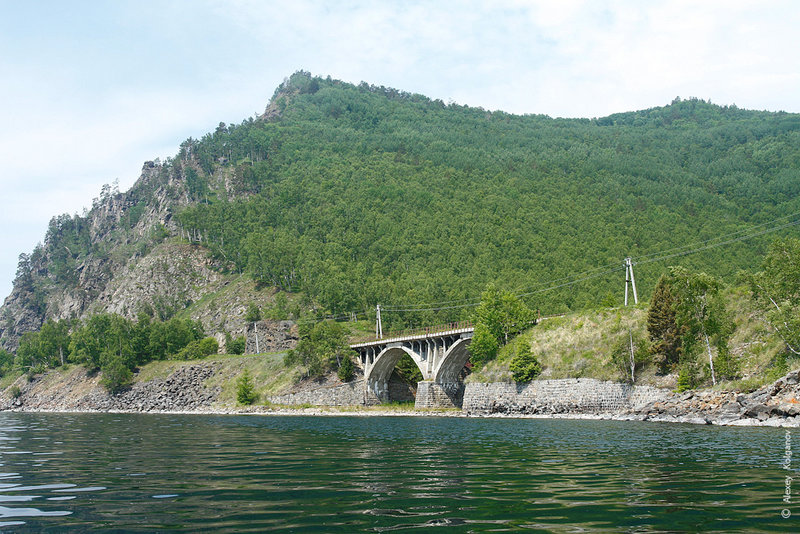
(128,254)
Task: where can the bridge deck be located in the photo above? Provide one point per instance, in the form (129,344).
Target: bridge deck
(415,334)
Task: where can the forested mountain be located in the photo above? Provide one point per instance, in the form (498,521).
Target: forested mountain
(357,195)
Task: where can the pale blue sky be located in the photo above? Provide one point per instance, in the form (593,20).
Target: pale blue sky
(90,90)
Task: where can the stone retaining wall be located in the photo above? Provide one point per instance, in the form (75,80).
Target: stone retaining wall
(348,394)
(570,395)
(433,395)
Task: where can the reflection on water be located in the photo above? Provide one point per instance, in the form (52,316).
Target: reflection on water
(19,492)
(143,473)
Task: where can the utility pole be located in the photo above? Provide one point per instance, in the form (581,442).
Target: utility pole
(378,325)
(630,280)
(255,329)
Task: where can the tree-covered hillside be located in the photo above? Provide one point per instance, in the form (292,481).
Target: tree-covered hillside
(358,195)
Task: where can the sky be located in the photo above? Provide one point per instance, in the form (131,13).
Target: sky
(90,90)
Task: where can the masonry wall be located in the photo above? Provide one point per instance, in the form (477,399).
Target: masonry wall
(348,394)
(571,395)
(433,395)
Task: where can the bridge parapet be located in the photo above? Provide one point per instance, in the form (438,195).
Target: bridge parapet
(414,333)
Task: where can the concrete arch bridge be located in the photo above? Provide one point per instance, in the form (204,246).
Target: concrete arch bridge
(439,352)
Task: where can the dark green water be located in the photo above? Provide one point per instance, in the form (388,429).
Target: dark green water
(353,474)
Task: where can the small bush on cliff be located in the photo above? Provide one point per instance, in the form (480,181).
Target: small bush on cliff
(346,370)
(15,392)
(253,313)
(198,349)
(245,390)
(524,366)
(235,345)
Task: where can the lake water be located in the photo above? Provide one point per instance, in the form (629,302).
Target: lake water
(83,472)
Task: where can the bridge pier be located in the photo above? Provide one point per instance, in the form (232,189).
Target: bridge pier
(434,395)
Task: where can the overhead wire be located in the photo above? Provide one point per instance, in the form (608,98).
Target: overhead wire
(640,259)
(470,302)
(596,272)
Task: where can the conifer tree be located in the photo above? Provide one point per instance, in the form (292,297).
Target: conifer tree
(662,326)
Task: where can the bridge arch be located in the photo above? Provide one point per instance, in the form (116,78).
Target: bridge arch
(377,377)
(453,361)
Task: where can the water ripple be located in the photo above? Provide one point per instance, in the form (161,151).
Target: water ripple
(349,474)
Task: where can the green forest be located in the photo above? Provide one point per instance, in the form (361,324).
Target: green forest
(358,195)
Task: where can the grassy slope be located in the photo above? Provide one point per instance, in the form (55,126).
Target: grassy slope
(267,370)
(580,345)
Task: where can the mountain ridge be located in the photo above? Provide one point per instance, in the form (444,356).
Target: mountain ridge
(353,195)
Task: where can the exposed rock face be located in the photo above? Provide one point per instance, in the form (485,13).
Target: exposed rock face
(170,277)
(273,336)
(18,317)
(113,239)
(183,390)
(131,267)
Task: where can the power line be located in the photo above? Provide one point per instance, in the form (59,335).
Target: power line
(718,244)
(597,272)
(471,302)
(725,236)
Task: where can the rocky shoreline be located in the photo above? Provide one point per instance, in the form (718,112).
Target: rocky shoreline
(186,390)
(775,405)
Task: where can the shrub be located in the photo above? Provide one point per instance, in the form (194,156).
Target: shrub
(253,313)
(726,364)
(35,370)
(524,366)
(116,376)
(198,349)
(15,392)
(687,377)
(237,345)
(245,390)
(346,370)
